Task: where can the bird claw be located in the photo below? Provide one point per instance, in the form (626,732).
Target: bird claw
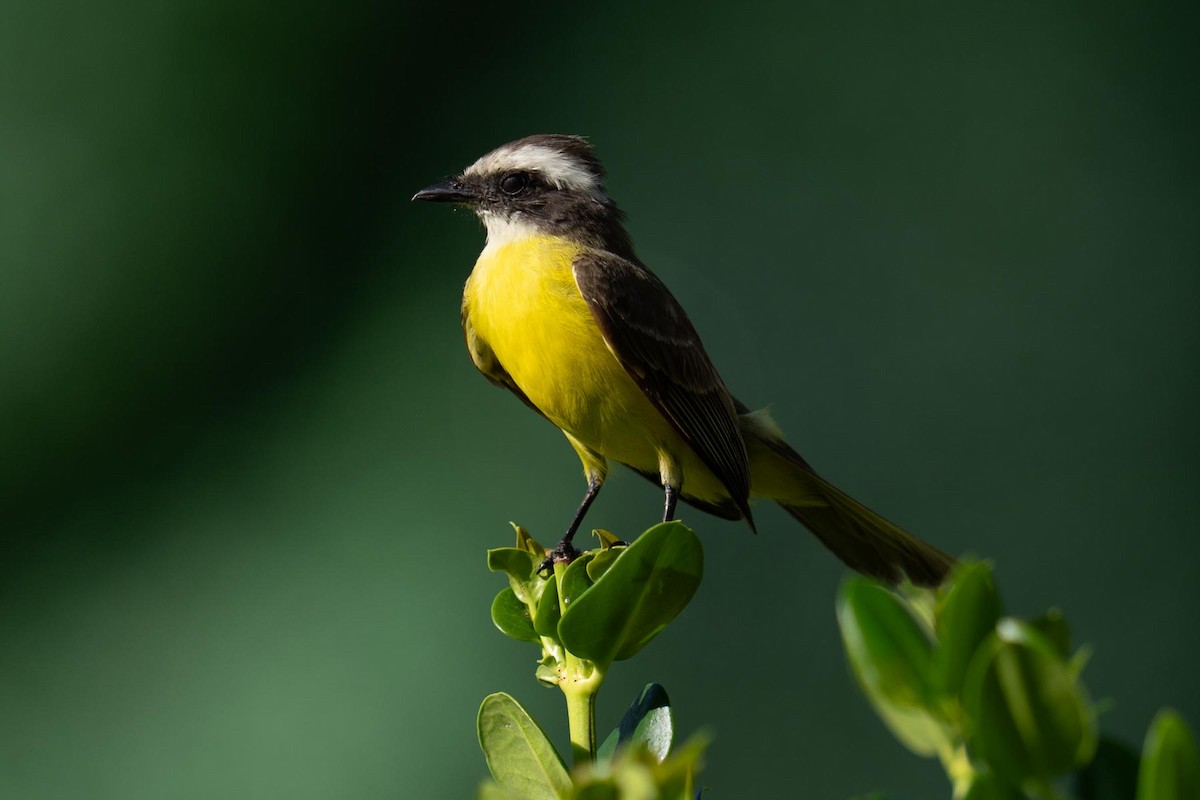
(563,551)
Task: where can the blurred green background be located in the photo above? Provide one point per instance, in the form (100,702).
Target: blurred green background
(248,473)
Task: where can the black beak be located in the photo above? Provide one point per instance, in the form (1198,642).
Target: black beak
(450,191)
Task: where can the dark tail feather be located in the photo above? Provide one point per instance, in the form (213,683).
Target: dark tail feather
(854,533)
(866,541)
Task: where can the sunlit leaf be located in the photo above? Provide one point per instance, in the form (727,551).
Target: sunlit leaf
(648,721)
(527,543)
(518,565)
(602,561)
(608,539)
(1030,720)
(646,587)
(1170,769)
(575,580)
(492,791)
(519,756)
(511,616)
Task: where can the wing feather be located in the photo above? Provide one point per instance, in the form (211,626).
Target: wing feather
(651,335)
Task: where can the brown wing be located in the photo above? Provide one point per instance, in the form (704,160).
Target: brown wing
(486,362)
(648,331)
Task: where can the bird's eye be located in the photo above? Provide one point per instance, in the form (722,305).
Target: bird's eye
(514,183)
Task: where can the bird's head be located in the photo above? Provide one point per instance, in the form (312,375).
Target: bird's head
(547,183)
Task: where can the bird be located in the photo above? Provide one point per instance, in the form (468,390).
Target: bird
(560,311)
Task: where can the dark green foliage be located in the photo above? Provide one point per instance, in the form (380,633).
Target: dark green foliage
(998,699)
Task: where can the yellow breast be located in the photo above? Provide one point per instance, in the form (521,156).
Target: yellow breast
(524,304)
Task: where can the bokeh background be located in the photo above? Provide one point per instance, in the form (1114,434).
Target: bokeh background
(248,473)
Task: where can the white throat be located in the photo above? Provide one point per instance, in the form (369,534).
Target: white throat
(503,231)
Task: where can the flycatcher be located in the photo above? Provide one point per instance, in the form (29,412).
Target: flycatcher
(560,311)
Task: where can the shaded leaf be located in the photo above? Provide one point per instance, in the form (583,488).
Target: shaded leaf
(1053,625)
(966,614)
(520,757)
(1111,775)
(892,658)
(511,616)
(599,791)
(645,588)
(986,786)
(1170,769)
(545,621)
(1030,720)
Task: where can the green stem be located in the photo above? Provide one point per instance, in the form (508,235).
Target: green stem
(958,768)
(580,681)
(581,719)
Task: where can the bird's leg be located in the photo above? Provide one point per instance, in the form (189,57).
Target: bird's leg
(672,496)
(564,550)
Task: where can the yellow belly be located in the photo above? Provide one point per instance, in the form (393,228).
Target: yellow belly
(524,304)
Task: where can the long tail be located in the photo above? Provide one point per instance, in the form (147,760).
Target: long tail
(862,539)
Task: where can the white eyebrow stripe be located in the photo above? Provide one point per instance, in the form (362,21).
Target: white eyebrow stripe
(554,167)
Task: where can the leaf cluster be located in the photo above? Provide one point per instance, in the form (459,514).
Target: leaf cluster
(603,607)
(636,762)
(996,698)
(606,605)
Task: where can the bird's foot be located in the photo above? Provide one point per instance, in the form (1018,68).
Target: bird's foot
(563,551)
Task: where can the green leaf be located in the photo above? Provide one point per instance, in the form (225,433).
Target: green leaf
(547,672)
(599,791)
(676,776)
(518,565)
(986,786)
(891,656)
(576,580)
(965,616)
(648,721)
(608,539)
(646,587)
(528,543)
(520,757)
(602,561)
(545,621)
(1030,720)
(511,616)
(1111,775)
(488,790)
(1170,769)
